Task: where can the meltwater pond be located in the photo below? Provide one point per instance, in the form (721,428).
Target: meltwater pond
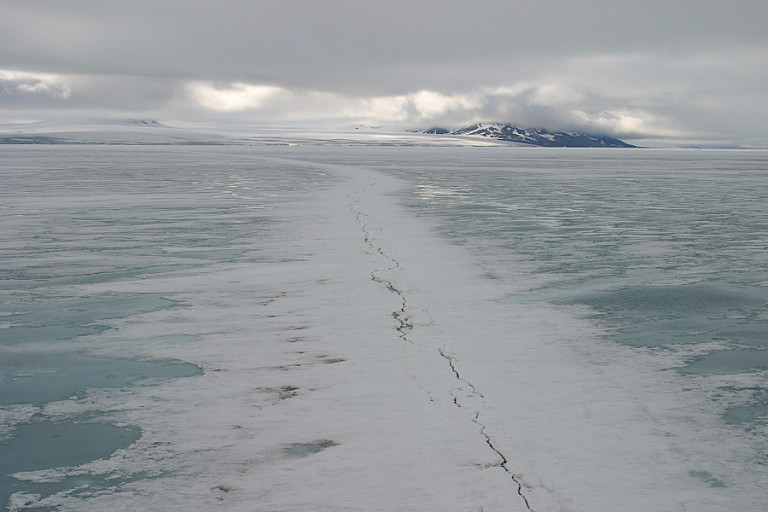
(44,445)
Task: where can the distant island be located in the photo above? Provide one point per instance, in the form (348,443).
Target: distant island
(533,136)
(149,131)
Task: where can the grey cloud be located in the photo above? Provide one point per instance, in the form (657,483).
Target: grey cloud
(27,87)
(352,43)
(644,57)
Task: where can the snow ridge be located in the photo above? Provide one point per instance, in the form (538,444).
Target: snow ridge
(405,325)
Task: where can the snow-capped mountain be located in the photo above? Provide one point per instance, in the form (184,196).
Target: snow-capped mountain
(534,136)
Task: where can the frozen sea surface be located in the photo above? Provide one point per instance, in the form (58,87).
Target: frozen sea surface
(382,328)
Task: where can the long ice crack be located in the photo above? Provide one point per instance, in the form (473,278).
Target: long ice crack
(404,325)
(476,419)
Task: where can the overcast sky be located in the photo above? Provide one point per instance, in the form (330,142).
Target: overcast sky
(671,68)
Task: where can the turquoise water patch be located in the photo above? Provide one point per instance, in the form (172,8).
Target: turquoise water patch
(755,333)
(302,449)
(692,313)
(40,363)
(688,329)
(729,362)
(83,310)
(677,300)
(34,377)
(746,414)
(17,335)
(707,477)
(46,445)
(54,319)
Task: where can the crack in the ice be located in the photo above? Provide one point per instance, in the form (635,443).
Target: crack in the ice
(399,315)
(404,325)
(475,393)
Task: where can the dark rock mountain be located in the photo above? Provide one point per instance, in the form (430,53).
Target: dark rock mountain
(437,131)
(534,136)
(145,122)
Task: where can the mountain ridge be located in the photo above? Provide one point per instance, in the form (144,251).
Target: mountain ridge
(533,136)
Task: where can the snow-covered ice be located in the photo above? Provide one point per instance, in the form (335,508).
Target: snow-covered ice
(351,358)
